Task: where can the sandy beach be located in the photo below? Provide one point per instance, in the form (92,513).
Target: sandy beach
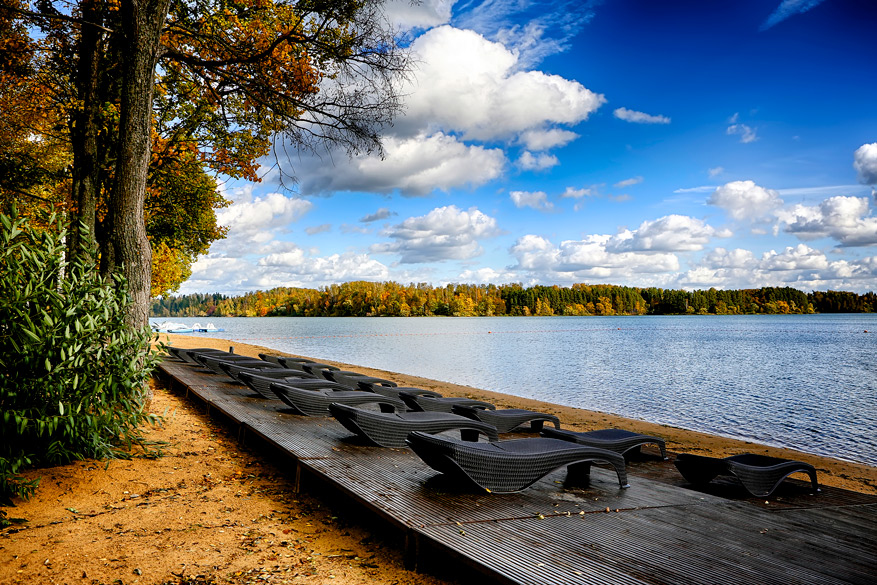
(833,472)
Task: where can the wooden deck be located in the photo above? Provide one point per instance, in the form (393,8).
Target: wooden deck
(654,532)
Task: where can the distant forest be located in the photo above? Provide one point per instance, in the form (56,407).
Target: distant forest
(390,299)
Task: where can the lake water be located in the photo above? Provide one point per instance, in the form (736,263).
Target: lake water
(808,382)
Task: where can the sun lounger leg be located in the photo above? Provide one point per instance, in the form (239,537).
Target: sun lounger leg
(663,447)
(813,482)
(469,435)
(578,473)
(621,471)
(576,470)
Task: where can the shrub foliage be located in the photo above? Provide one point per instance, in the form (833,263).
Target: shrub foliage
(73,375)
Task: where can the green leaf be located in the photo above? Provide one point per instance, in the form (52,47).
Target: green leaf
(89,405)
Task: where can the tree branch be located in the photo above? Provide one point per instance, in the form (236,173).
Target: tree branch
(58,16)
(194,61)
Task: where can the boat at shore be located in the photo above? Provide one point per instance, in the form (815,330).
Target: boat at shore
(172,327)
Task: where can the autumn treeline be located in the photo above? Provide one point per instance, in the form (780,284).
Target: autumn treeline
(391,299)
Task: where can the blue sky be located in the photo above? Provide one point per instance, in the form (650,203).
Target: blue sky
(684,144)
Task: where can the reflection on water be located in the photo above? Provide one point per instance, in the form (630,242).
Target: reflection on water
(803,381)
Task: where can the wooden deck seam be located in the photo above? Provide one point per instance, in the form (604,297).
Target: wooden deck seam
(565,515)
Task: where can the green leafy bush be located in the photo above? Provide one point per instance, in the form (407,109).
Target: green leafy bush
(73,374)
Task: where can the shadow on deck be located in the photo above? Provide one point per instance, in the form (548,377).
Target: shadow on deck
(657,531)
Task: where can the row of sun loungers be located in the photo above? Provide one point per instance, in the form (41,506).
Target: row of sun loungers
(386,415)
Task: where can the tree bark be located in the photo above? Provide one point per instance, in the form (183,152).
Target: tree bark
(142,23)
(84,132)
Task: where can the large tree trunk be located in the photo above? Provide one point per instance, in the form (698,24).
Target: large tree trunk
(142,22)
(85,130)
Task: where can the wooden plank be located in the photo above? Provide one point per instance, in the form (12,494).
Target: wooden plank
(552,533)
(689,544)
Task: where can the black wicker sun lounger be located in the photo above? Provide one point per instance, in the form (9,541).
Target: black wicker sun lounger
(316,402)
(396,391)
(218,363)
(188,355)
(261,382)
(760,475)
(317,369)
(355,380)
(442,404)
(510,466)
(390,429)
(236,369)
(270,357)
(182,353)
(617,440)
(507,419)
(294,360)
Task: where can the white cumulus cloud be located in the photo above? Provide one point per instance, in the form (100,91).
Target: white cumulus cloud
(469,85)
(865,163)
(256,219)
(291,266)
(589,258)
(736,259)
(535,199)
(535,253)
(298,265)
(445,233)
(672,233)
(218,273)
(800,257)
(545,139)
(796,266)
(845,219)
(487,276)
(414,166)
(745,199)
(467,100)
(595,253)
(538,162)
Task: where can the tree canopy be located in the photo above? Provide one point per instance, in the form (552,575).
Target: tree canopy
(391,299)
(127,115)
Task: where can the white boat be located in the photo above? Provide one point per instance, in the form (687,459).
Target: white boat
(171,327)
(209,328)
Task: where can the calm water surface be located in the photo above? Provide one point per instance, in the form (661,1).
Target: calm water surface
(807,382)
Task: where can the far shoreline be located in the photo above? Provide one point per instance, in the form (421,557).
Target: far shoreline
(833,472)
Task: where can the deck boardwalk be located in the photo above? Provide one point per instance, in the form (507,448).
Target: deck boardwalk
(655,532)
